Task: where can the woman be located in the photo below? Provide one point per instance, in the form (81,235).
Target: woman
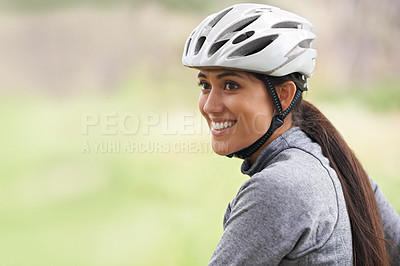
(308,201)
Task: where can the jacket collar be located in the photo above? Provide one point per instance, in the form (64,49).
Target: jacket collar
(287,140)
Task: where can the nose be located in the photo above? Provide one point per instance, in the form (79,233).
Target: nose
(214,103)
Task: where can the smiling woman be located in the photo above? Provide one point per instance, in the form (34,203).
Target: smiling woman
(309,200)
(236,106)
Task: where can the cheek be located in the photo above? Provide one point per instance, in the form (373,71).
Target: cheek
(257,117)
(201,103)
(261,123)
(264,117)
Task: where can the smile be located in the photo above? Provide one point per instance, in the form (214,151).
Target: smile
(222,125)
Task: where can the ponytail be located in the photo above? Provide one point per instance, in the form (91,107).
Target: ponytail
(366,227)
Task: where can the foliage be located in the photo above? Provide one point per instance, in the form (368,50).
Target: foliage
(381,96)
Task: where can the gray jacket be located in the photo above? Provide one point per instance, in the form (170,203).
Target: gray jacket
(292,210)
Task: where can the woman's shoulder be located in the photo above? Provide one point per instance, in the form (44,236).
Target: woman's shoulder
(295,185)
(296,202)
(295,182)
(299,170)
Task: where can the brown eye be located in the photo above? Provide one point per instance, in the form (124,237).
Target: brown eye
(229,86)
(204,85)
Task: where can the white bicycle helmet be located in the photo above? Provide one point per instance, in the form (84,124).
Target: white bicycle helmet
(253,37)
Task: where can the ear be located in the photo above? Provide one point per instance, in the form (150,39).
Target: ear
(286,92)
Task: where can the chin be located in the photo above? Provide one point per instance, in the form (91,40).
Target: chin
(221,153)
(224,148)
(221,148)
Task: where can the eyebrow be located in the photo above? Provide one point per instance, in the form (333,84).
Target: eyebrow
(201,75)
(222,75)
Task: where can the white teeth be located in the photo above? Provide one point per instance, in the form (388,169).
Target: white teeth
(221,125)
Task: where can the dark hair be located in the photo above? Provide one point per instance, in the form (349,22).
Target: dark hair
(366,227)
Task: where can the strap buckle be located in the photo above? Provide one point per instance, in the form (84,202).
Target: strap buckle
(277,121)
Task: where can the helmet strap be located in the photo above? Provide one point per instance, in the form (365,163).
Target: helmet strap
(276,122)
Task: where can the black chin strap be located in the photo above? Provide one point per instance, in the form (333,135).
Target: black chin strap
(277,121)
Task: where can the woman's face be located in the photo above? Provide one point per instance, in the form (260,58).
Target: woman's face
(237,107)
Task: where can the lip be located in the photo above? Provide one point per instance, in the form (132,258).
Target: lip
(221,132)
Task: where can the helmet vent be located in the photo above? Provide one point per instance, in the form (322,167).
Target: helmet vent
(305,43)
(216,46)
(187,46)
(287,25)
(199,44)
(218,17)
(229,32)
(243,24)
(243,37)
(254,47)
(264,9)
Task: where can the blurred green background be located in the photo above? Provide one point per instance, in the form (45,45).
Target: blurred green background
(74,197)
